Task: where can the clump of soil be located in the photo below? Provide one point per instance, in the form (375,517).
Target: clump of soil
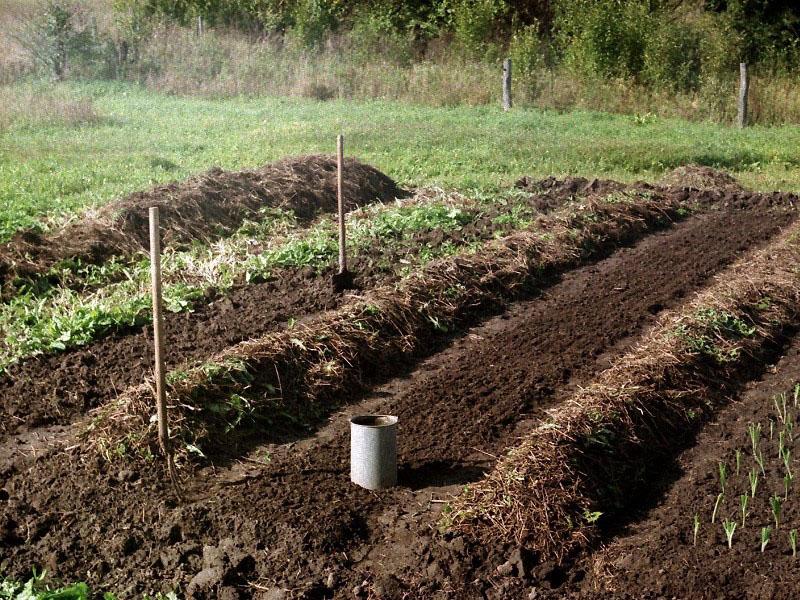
(700,178)
(204,207)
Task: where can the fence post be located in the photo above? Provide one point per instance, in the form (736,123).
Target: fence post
(507,84)
(158,332)
(744,88)
(340,202)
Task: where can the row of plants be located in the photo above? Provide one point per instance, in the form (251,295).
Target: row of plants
(91,301)
(600,451)
(748,483)
(304,369)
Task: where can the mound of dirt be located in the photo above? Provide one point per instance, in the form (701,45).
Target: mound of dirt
(204,207)
(699,178)
(551,191)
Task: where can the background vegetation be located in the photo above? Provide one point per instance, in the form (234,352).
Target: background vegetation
(668,57)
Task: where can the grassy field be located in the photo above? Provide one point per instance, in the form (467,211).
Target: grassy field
(139,138)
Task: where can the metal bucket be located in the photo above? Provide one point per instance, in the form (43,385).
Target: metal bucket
(373,451)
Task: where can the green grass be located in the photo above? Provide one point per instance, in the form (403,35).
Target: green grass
(144,137)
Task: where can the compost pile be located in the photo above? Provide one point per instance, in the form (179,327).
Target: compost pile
(201,208)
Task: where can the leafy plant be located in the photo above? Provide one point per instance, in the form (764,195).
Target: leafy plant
(716,507)
(729,527)
(744,501)
(775,504)
(787,484)
(754,429)
(760,461)
(753,476)
(766,532)
(723,475)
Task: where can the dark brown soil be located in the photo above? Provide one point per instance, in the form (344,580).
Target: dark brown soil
(655,557)
(295,521)
(88,376)
(204,207)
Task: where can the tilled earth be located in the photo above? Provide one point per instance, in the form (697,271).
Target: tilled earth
(285,521)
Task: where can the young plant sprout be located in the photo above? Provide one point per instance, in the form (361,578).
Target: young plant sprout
(796,394)
(780,407)
(781,443)
(738,460)
(771,428)
(787,483)
(753,476)
(790,430)
(729,527)
(760,461)
(787,460)
(765,534)
(744,500)
(793,542)
(754,429)
(696,528)
(723,475)
(775,503)
(716,507)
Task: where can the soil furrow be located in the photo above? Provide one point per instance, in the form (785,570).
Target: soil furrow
(655,556)
(296,520)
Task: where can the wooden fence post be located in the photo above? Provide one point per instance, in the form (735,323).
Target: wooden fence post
(507,84)
(340,201)
(744,88)
(158,332)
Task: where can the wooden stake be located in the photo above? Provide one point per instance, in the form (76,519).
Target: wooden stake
(507,84)
(340,200)
(158,332)
(744,88)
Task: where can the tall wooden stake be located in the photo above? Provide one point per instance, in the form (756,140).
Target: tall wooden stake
(158,332)
(340,200)
(744,87)
(507,84)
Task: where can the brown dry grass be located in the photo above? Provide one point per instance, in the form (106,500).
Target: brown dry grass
(308,366)
(601,449)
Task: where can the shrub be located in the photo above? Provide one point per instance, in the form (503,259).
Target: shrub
(605,38)
(475,23)
(672,58)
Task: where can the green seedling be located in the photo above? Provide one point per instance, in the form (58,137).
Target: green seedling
(696,528)
(780,407)
(729,527)
(793,542)
(738,460)
(781,443)
(766,532)
(775,504)
(754,429)
(787,461)
(796,394)
(790,430)
(753,476)
(771,428)
(744,501)
(716,507)
(723,475)
(787,484)
(760,462)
